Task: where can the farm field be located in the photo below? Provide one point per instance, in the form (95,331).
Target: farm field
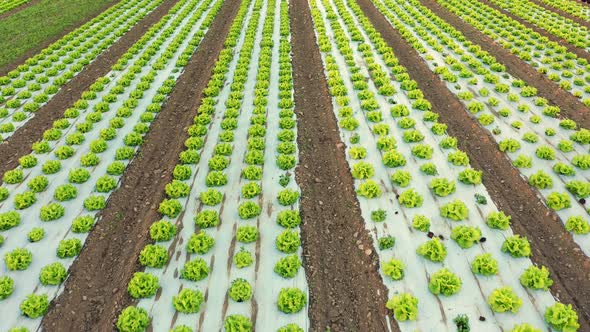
(296,165)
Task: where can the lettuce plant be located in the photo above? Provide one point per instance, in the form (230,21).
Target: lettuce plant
(404,307)
(195,270)
(4,193)
(579,188)
(545,152)
(182,172)
(393,158)
(152,255)
(581,161)
(65,192)
(36,234)
(523,161)
(429,169)
(362,170)
(82,224)
(378,215)
(95,203)
(6,287)
(13,176)
(207,218)
(287,197)
(50,167)
(410,199)
(386,242)
(509,145)
(498,220)
(162,231)
(240,290)
(504,300)
(401,178)
(211,197)
(289,218)
(116,168)
(458,158)
(536,278)
(252,173)
(577,225)
(237,323)
(558,201)
(386,143)
(251,209)
(484,264)
(69,248)
(288,266)
(369,189)
(27,161)
(433,250)
(288,241)
(466,236)
(448,143)
(34,306)
(291,300)
(394,268)
(53,274)
(244,259)
(200,243)
(292,327)
(286,161)
(421,223)
(541,180)
(9,220)
(517,246)
(444,282)
(442,187)
(24,200)
(422,151)
(177,189)
(251,190)
(78,175)
(133,319)
(247,234)
(413,136)
(357,152)
(143,285)
(188,301)
(105,184)
(562,317)
(455,210)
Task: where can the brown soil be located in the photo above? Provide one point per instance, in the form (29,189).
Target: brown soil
(18,9)
(20,143)
(578,20)
(577,51)
(346,290)
(552,245)
(6,68)
(95,291)
(570,106)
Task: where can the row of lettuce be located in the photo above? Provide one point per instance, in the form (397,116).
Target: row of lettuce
(24,90)
(229,220)
(8,5)
(409,165)
(80,160)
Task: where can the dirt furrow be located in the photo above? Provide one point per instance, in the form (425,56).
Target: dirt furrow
(578,20)
(346,290)
(571,107)
(580,53)
(551,244)
(96,290)
(20,143)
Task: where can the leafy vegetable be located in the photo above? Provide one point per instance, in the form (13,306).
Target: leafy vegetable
(240,290)
(498,220)
(404,306)
(200,243)
(18,260)
(393,268)
(455,210)
(152,255)
(288,266)
(536,278)
(504,299)
(484,264)
(143,285)
(517,246)
(195,270)
(133,319)
(433,250)
(188,301)
(53,274)
(291,300)
(34,306)
(237,323)
(562,317)
(444,282)
(466,236)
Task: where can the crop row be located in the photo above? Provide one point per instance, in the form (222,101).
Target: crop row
(550,21)
(24,90)
(74,170)
(7,5)
(547,57)
(222,203)
(424,182)
(548,149)
(570,6)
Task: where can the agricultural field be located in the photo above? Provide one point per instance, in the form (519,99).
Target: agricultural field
(295,165)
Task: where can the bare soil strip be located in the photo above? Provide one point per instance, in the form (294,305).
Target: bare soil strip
(346,290)
(571,48)
(19,8)
(551,244)
(96,290)
(5,69)
(578,20)
(571,107)
(19,144)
